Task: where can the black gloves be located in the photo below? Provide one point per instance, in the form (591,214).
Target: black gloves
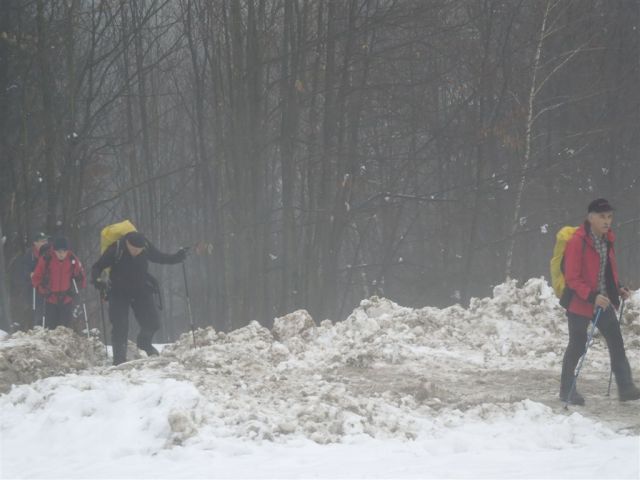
(100,284)
(181,254)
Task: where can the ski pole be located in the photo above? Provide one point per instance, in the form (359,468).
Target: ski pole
(84,308)
(104,325)
(620,326)
(34,300)
(584,355)
(186,288)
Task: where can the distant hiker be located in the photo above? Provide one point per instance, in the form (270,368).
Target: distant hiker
(591,276)
(33,301)
(130,285)
(55,273)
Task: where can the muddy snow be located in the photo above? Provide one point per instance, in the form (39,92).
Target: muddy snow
(451,379)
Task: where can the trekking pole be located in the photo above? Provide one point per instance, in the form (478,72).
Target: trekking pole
(186,288)
(584,355)
(84,308)
(104,325)
(44,310)
(611,368)
(34,310)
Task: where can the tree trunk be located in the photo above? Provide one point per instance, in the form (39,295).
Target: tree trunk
(5,322)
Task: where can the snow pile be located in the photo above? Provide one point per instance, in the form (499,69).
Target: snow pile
(451,387)
(508,330)
(108,426)
(631,321)
(370,374)
(385,372)
(39,353)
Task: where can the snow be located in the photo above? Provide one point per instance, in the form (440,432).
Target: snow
(390,392)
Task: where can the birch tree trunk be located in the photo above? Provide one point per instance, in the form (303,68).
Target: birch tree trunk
(515,223)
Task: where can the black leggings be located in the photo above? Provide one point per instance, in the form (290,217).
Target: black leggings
(57,314)
(578,334)
(146,314)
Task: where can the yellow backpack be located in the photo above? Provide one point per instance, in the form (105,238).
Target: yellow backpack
(557,264)
(113,233)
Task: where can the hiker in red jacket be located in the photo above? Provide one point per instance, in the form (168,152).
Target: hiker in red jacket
(591,274)
(54,278)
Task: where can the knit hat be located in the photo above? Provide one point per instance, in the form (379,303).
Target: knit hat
(599,205)
(60,243)
(136,239)
(39,236)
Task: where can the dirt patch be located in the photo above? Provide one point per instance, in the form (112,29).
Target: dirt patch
(467,389)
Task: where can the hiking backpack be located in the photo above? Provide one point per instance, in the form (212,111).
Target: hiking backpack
(557,265)
(113,234)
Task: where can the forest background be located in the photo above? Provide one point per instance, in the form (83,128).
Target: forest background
(317,152)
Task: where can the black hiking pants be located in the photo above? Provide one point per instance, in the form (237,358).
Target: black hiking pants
(57,314)
(578,334)
(146,313)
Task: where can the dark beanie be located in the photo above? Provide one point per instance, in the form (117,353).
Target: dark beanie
(60,243)
(136,239)
(37,236)
(599,205)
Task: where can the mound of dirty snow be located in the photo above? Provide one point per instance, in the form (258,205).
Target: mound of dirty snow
(28,356)
(386,371)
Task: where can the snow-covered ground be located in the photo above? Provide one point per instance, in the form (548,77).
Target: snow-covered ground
(390,392)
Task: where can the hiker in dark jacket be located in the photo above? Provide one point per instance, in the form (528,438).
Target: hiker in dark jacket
(130,285)
(54,277)
(591,274)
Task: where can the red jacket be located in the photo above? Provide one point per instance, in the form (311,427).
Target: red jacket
(53,277)
(581,269)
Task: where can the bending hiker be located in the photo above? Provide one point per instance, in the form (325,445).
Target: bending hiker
(54,275)
(130,285)
(591,276)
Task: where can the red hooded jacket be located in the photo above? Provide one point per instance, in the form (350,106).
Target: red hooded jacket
(53,277)
(581,269)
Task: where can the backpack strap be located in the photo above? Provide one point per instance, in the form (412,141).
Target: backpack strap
(567,295)
(119,251)
(47,263)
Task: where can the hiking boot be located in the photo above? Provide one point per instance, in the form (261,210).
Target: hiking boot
(119,353)
(576,398)
(626,388)
(628,392)
(150,349)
